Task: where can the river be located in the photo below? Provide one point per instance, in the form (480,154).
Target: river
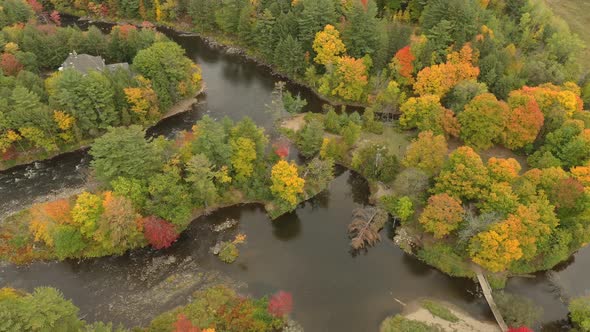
(305,252)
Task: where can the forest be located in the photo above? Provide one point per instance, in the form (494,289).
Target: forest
(487,160)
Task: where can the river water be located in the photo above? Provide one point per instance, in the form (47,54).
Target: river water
(305,252)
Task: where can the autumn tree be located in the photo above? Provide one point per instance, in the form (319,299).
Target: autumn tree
(463,176)
(440,79)
(243,157)
(403,64)
(427,113)
(158,232)
(483,121)
(442,215)
(347,80)
(86,213)
(427,153)
(524,121)
(328,46)
(286,183)
(118,227)
(503,170)
(10,65)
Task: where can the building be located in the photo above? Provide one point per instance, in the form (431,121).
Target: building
(85,63)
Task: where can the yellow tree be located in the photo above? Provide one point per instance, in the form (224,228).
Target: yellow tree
(427,153)
(286,183)
(243,157)
(328,46)
(495,249)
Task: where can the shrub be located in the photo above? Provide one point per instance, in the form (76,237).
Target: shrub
(159,233)
(280,304)
(399,323)
(580,312)
(67,241)
(517,310)
(445,259)
(229,252)
(439,310)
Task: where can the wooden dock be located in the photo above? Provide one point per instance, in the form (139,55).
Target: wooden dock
(487,292)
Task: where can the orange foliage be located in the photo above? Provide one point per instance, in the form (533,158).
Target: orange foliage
(582,174)
(550,96)
(403,62)
(45,216)
(442,215)
(440,79)
(352,78)
(524,120)
(504,170)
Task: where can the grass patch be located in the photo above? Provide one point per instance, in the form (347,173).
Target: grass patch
(439,310)
(396,141)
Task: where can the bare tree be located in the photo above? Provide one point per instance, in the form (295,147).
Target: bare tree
(365,226)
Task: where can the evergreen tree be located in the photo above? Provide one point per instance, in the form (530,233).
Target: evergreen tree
(315,16)
(289,56)
(360,34)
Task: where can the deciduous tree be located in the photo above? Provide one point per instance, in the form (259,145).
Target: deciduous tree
(427,153)
(442,215)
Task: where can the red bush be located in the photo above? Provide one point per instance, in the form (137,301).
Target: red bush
(280,304)
(55,17)
(182,324)
(281,148)
(520,329)
(159,233)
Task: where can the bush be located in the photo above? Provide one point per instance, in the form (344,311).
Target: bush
(439,310)
(580,312)
(517,310)
(442,257)
(229,252)
(67,241)
(159,233)
(399,323)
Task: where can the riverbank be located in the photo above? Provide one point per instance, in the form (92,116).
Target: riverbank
(28,157)
(459,321)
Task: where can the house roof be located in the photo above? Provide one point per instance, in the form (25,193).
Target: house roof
(84,62)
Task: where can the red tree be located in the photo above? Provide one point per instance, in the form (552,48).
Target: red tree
(566,192)
(159,233)
(55,17)
(10,65)
(405,58)
(281,148)
(280,304)
(182,324)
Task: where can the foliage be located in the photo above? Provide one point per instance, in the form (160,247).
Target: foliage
(86,213)
(375,162)
(158,232)
(483,121)
(516,310)
(328,46)
(399,323)
(229,252)
(580,312)
(286,183)
(310,138)
(427,114)
(442,256)
(463,176)
(427,153)
(442,215)
(439,310)
(43,310)
(124,152)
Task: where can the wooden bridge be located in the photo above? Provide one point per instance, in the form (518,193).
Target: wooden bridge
(487,292)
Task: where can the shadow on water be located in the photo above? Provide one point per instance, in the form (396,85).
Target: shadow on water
(305,252)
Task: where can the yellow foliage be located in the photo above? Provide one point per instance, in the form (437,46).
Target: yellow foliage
(328,45)
(582,174)
(286,183)
(63,120)
(11,47)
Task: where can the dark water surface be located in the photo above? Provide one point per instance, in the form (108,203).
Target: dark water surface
(305,253)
